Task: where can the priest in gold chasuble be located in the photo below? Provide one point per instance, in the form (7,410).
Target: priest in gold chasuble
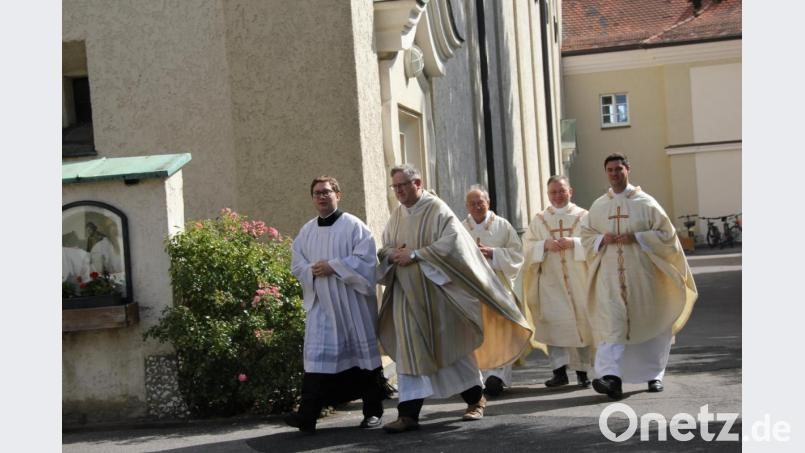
(444,313)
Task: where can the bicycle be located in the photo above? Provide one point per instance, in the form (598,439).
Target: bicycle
(736,228)
(727,235)
(713,234)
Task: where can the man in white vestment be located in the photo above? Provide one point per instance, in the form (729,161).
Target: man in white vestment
(500,245)
(104,257)
(641,290)
(445,314)
(334,258)
(555,285)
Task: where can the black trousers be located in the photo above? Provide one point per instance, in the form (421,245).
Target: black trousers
(411,408)
(324,389)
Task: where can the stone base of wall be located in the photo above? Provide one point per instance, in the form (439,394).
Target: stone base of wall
(163,399)
(92,412)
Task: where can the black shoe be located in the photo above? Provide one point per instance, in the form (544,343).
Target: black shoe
(581,379)
(655,385)
(559,377)
(371,422)
(297,421)
(493,386)
(609,385)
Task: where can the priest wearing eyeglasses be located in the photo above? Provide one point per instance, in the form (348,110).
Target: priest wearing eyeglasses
(445,315)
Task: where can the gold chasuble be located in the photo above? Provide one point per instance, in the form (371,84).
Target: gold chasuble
(437,324)
(555,283)
(636,291)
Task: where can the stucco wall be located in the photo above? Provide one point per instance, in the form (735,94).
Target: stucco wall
(297,104)
(264,95)
(720,169)
(159,83)
(685,184)
(679,112)
(716,102)
(103,371)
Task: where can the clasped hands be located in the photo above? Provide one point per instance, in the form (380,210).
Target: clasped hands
(623,239)
(321,269)
(557,245)
(401,256)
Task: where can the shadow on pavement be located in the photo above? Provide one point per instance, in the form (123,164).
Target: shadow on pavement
(523,434)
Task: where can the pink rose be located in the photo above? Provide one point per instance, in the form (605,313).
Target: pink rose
(274,291)
(273,233)
(242,377)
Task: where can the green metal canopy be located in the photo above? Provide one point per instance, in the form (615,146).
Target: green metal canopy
(125,168)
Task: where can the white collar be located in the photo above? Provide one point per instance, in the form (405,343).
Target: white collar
(629,189)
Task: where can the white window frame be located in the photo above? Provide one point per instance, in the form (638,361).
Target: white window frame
(611,110)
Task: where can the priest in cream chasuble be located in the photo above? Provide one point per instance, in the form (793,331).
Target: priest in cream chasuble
(641,290)
(500,245)
(555,285)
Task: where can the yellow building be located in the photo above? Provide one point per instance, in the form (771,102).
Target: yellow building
(661,82)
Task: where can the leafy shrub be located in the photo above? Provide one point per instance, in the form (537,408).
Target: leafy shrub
(237,324)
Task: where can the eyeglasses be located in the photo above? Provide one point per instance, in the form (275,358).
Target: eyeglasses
(401,185)
(323,193)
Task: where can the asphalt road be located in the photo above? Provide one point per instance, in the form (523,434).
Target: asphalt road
(704,369)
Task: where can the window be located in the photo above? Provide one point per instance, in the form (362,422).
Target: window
(614,110)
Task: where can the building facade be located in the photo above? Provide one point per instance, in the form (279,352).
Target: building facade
(266,95)
(661,82)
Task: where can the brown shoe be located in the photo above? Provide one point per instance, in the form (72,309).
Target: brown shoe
(475,411)
(401,425)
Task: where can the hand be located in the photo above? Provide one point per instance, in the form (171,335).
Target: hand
(566,243)
(322,269)
(401,256)
(487,252)
(626,238)
(609,238)
(552,246)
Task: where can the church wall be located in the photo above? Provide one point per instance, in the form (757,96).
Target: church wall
(103,371)
(374,172)
(460,156)
(538,178)
(296,105)
(159,83)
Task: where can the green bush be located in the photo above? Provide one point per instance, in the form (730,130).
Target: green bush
(237,324)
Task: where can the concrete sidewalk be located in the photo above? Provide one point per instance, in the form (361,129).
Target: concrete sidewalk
(704,368)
